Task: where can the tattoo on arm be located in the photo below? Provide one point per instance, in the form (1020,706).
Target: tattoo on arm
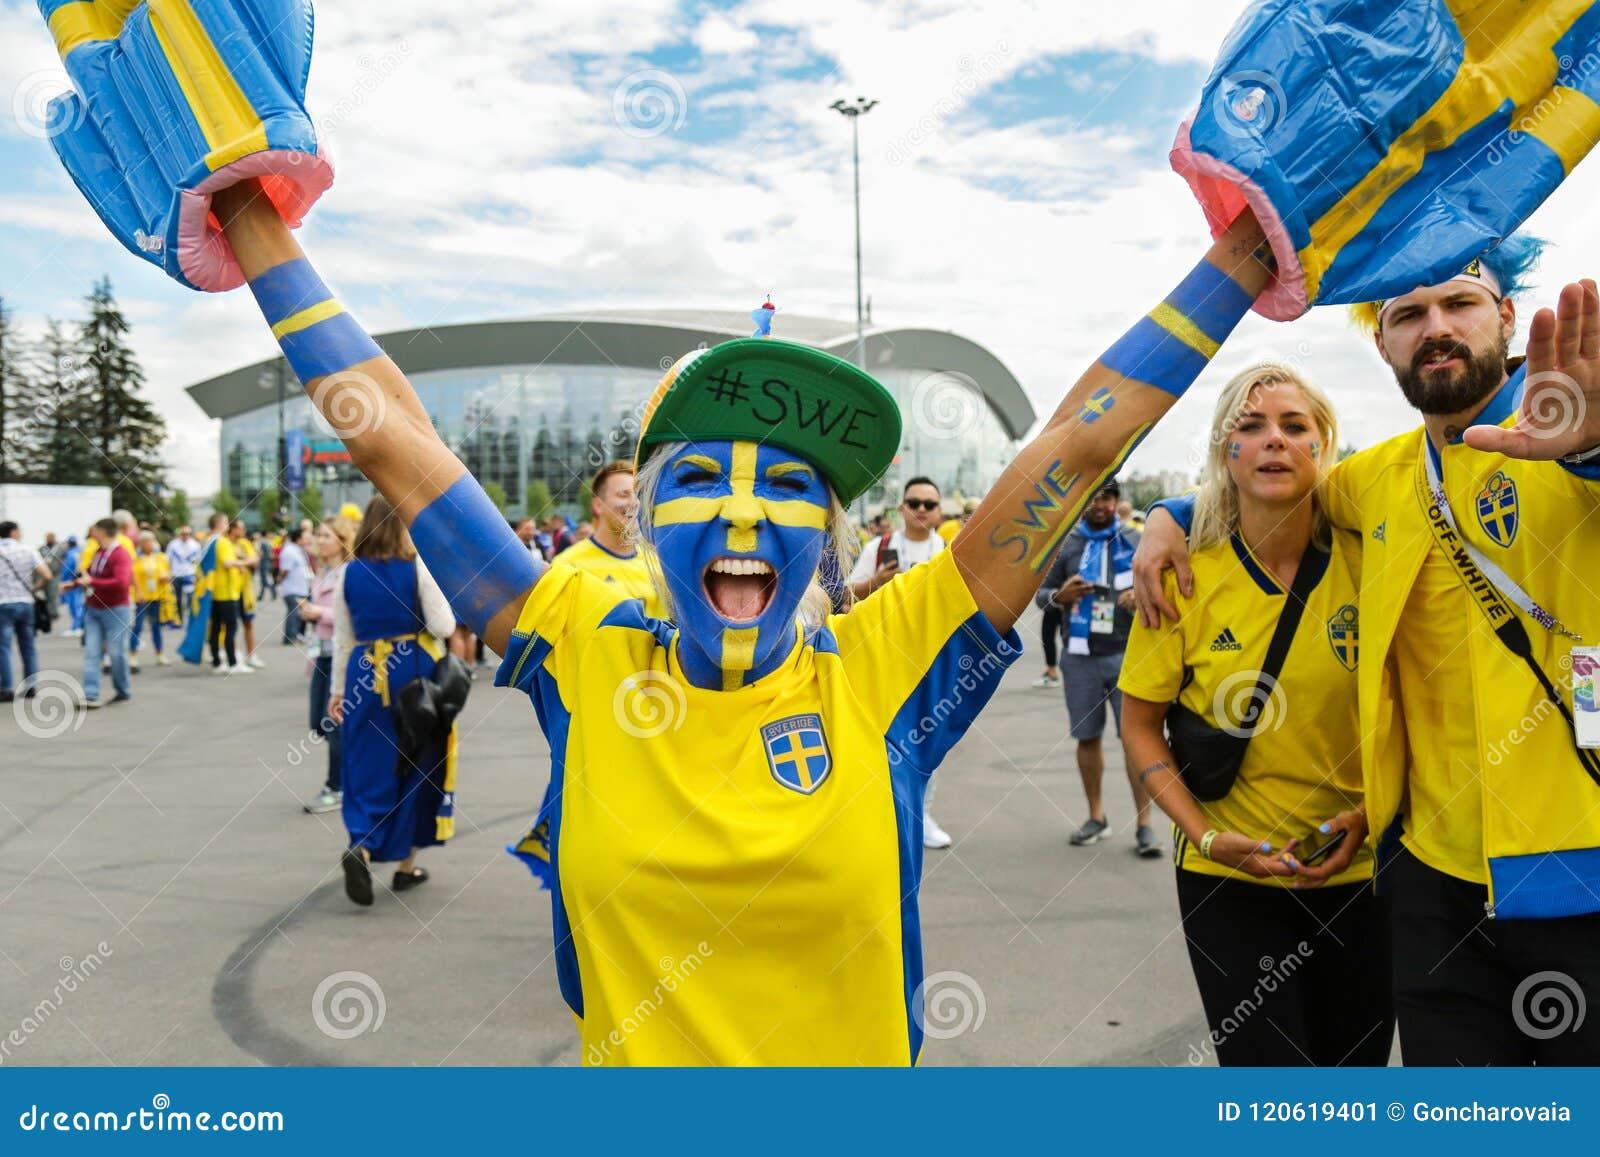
(1152,769)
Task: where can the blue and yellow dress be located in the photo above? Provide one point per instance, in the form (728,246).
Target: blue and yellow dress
(391,805)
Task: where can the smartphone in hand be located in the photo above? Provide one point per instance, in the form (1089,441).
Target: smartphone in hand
(1316,847)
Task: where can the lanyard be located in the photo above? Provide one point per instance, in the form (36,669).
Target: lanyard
(1483,580)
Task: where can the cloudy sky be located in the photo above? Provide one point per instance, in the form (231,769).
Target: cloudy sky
(501,159)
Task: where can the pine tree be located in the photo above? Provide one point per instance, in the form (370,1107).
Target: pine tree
(66,457)
(20,414)
(123,430)
(225,503)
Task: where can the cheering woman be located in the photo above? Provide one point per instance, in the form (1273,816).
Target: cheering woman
(734,820)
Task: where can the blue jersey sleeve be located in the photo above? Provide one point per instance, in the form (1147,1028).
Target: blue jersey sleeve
(1181,509)
(923,659)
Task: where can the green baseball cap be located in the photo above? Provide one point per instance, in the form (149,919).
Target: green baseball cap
(779,393)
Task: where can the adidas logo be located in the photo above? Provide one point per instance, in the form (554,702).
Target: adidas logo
(1226,641)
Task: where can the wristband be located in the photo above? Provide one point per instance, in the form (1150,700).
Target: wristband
(1170,346)
(470,550)
(1205,844)
(315,333)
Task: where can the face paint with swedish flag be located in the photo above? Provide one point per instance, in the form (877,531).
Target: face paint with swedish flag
(739,529)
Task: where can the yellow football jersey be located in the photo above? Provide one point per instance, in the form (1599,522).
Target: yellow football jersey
(631,573)
(225,579)
(151,573)
(1303,765)
(735,873)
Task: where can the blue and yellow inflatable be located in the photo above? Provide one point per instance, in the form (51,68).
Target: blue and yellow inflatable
(175,100)
(1351,125)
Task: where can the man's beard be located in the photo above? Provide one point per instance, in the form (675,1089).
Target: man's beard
(1450,394)
(1098,519)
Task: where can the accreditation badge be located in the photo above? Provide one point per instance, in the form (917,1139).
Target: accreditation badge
(1103,617)
(1586,695)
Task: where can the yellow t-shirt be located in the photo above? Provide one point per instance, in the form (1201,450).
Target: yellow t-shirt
(948,529)
(631,574)
(735,873)
(1303,765)
(225,579)
(151,572)
(1443,824)
(244,581)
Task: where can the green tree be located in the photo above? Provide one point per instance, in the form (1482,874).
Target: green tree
(21,414)
(267,506)
(178,510)
(310,502)
(122,428)
(66,455)
(225,503)
(540,500)
(497,495)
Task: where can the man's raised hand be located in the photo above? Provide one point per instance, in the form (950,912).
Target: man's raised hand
(1560,413)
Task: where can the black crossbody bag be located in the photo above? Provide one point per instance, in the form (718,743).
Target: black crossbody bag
(1209,758)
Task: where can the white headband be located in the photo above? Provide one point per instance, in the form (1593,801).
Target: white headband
(1476,273)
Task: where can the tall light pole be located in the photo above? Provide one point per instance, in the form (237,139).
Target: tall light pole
(855,110)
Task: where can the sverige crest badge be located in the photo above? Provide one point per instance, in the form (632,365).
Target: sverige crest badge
(797,752)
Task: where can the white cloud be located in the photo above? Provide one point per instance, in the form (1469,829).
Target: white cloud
(482,170)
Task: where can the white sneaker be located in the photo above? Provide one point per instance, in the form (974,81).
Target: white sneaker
(255,661)
(240,669)
(163,661)
(221,669)
(933,836)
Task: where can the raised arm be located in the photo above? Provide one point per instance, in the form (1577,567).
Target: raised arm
(1017,530)
(479,564)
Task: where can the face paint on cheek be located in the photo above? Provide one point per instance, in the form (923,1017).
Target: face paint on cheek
(1315,446)
(736,626)
(1234,448)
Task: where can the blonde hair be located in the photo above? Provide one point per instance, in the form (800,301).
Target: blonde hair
(345,531)
(815,604)
(1216,507)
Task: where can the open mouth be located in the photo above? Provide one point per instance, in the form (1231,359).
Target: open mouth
(1274,468)
(739,589)
(1440,359)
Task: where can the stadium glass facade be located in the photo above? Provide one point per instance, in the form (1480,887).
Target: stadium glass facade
(517,426)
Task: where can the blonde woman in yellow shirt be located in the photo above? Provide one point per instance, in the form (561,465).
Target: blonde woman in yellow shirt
(153,600)
(247,561)
(1289,948)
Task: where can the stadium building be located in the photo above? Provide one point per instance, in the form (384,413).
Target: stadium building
(533,407)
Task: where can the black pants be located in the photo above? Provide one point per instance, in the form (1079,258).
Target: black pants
(321,723)
(1476,991)
(1050,634)
(1290,976)
(224,626)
